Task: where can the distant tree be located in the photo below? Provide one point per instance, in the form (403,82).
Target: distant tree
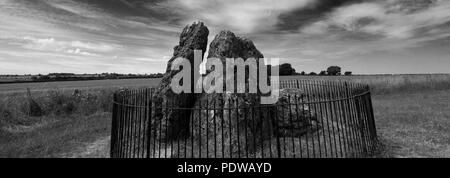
(323,72)
(348,73)
(44,78)
(334,70)
(312,73)
(303,73)
(286,69)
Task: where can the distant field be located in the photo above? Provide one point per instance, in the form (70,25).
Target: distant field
(378,83)
(384,84)
(41,86)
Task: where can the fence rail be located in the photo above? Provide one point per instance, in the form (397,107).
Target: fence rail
(313,119)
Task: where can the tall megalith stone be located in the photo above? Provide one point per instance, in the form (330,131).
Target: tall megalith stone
(168,122)
(230,123)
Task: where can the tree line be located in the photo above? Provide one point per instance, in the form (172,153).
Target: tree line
(71,77)
(287,69)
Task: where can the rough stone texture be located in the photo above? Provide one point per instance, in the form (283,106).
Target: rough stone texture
(292,117)
(221,127)
(193,37)
(227,45)
(226,129)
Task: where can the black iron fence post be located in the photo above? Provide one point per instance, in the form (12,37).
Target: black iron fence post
(361,124)
(113,126)
(325,119)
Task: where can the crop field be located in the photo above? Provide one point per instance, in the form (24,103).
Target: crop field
(412,115)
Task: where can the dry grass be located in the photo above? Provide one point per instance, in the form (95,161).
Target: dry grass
(69,120)
(97,149)
(414,124)
(385,84)
(83,85)
(54,139)
(411,111)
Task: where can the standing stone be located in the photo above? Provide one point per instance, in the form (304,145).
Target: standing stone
(227,45)
(293,118)
(171,123)
(230,124)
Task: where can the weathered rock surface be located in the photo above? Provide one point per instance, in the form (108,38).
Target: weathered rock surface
(231,125)
(293,117)
(193,37)
(226,129)
(227,45)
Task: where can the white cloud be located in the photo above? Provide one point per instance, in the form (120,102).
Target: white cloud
(71,47)
(93,46)
(80,9)
(144,59)
(311,52)
(79,52)
(241,16)
(77,35)
(383,18)
(42,44)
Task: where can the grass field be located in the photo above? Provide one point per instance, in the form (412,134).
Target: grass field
(380,84)
(385,84)
(414,124)
(65,121)
(412,115)
(70,85)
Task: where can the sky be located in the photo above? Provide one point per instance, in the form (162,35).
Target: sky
(138,36)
